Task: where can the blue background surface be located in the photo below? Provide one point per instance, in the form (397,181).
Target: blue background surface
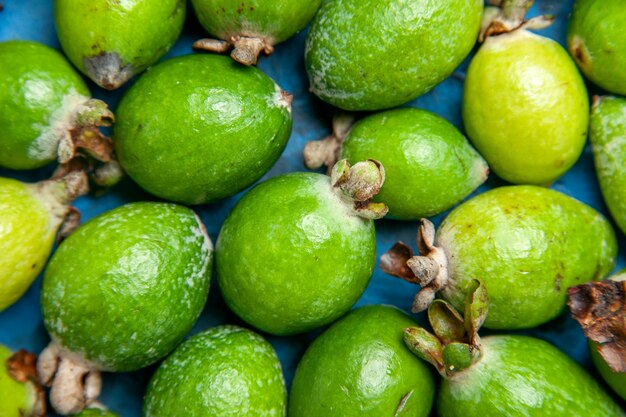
(21,325)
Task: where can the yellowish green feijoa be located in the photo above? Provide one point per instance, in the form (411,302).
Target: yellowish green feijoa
(96,412)
(226,371)
(607,132)
(597,41)
(111,41)
(120,293)
(20,394)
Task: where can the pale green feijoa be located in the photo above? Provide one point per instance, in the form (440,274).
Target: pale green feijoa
(96,412)
(46,109)
(120,293)
(199,128)
(527,244)
(251,27)
(30,216)
(361,368)
(600,308)
(298,250)
(226,371)
(429,165)
(111,41)
(525,107)
(597,41)
(20,394)
(607,132)
(377,54)
(503,375)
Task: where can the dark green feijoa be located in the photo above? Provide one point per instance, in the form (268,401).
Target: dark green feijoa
(429,165)
(503,375)
(96,412)
(30,217)
(377,54)
(110,41)
(607,132)
(20,393)
(600,308)
(47,113)
(525,105)
(597,42)
(528,244)
(253,27)
(226,371)
(120,293)
(199,128)
(298,250)
(360,367)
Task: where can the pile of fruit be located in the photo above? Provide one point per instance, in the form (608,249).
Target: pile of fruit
(206,138)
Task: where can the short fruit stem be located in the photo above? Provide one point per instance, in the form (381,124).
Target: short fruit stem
(509,15)
(245,50)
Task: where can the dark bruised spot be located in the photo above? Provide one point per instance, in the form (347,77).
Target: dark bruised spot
(251,8)
(33,266)
(317,258)
(469,226)
(557,282)
(139,127)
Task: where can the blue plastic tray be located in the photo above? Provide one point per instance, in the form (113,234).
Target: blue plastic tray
(21,324)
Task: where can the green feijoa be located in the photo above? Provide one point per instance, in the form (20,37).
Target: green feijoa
(600,308)
(298,250)
(597,41)
(30,217)
(199,128)
(111,41)
(360,367)
(120,293)
(20,394)
(503,375)
(607,132)
(429,165)
(46,109)
(228,370)
(95,412)
(527,244)
(377,54)
(525,107)
(253,27)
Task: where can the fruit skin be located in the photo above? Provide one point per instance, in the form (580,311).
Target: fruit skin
(111,41)
(17,399)
(228,370)
(360,367)
(372,54)
(607,132)
(523,376)
(199,128)
(597,41)
(527,244)
(429,165)
(126,287)
(271,20)
(291,256)
(529,132)
(95,412)
(38,88)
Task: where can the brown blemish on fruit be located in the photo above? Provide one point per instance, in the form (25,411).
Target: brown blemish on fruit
(22,367)
(557,282)
(579,52)
(107,70)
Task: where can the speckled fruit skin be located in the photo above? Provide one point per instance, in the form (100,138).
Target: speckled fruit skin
(17,399)
(525,107)
(597,41)
(523,376)
(226,371)
(292,257)
(527,244)
(607,132)
(27,230)
(96,412)
(139,32)
(360,367)
(271,20)
(200,128)
(37,86)
(377,54)
(429,165)
(126,287)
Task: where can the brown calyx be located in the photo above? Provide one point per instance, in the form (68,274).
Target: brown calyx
(358,184)
(245,49)
(600,308)
(22,367)
(327,151)
(509,15)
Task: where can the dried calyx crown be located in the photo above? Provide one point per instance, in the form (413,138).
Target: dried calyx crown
(326,151)
(455,345)
(429,269)
(357,185)
(508,15)
(21,366)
